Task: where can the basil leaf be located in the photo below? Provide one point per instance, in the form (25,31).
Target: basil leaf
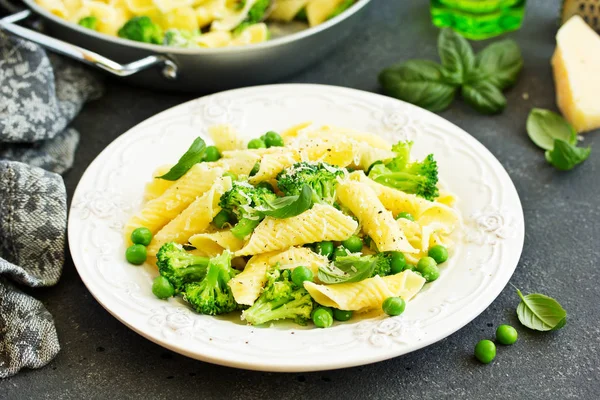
(418,82)
(499,63)
(543,126)
(540,313)
(191,157)
(347,269)
(289,206)
(484,97)
(565,156)
(457,56)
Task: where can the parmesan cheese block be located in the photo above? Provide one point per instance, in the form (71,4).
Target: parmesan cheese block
(576,65)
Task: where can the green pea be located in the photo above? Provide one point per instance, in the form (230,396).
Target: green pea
(393,306)
(136,254)
(222,218)
(397,262)
(272,139)
(485,351)
(211,154)
(255,169)
(341,315)
(324,248)
(141,236)
(328,309)
(439,253)
(301,274)
(231,175)
(257,144)
(340,251)
(428,268)
(506,334)
(162,288)
(354,244)
(322,318)
(405,215)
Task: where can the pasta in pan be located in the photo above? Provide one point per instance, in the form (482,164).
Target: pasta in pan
(193,23)
(292,226)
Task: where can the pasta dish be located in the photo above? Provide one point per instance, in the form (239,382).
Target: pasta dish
(315,223)
(193,23)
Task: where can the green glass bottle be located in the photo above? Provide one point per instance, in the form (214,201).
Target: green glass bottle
(478,19)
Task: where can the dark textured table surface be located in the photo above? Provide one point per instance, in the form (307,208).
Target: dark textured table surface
(101,358)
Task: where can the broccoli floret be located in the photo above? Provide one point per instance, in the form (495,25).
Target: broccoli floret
(181,38)
(142,29)
(281,299)
(419,178)
(213,295)
(343,6)
(90,22)
(383,265)
(320,177)
(255,15)
(402,150)
(179,266)
(242,200)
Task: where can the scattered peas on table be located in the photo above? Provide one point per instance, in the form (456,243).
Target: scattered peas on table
(506,334)
(485,351)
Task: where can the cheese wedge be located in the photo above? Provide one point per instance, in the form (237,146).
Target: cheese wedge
(576,65)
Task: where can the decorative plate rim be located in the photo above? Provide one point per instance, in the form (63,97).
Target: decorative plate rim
(491,231)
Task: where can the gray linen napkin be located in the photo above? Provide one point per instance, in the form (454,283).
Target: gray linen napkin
(39,96)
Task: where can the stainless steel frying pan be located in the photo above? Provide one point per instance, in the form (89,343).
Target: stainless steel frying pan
(191,70)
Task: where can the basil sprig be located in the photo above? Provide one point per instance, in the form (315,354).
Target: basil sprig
(192,156)
(544,126)
(480,78)
(346,269)
(541,313)
(564,156)
(457,57)
(553,133)
(500,63)
(289,206)
(419,82)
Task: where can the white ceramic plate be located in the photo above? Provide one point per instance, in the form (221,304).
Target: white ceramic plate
(112,187)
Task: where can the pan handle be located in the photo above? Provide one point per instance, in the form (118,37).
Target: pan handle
(169,68)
